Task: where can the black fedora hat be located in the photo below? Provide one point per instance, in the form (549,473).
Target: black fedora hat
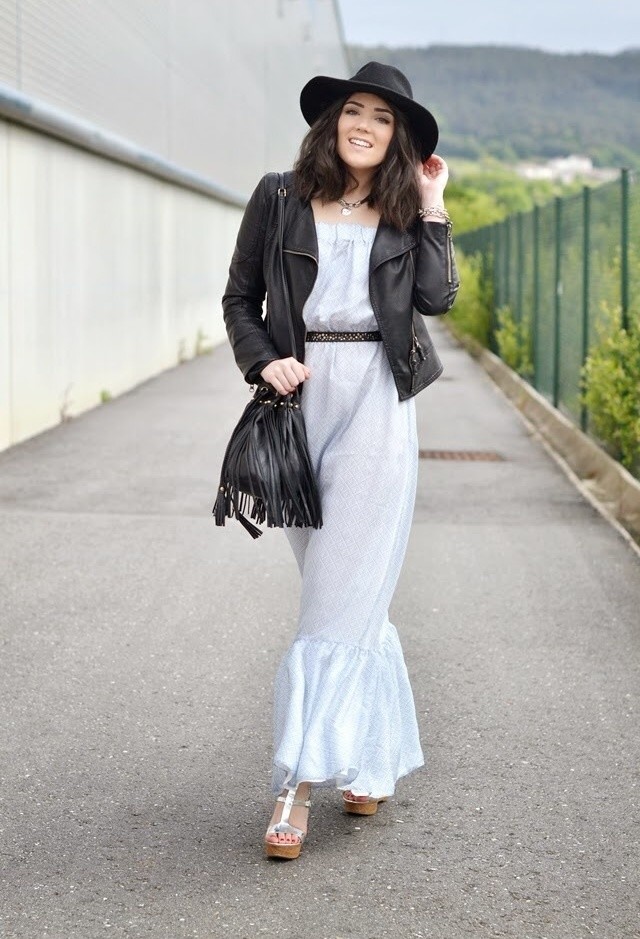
(387,82)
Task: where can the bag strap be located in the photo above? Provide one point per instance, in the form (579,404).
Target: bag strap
(282,195)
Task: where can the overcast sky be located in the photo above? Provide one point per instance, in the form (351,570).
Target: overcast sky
(555,25)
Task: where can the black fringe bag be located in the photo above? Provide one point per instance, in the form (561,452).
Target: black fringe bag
(266,472)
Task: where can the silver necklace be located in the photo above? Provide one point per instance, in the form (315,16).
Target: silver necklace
(348,206)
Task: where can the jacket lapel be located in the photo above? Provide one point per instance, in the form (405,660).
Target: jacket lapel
(389,243)
(300,230)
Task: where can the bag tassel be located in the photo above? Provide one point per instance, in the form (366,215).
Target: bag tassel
(227,505)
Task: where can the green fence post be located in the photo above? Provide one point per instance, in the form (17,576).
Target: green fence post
(557,304)
(519,267)
(488,269)
(507,261)
(497,282)
(586,249)
(624,248)
(496,260)
(484,251)
(536,292)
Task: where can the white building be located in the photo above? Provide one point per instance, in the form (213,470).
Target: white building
(131,133)
(566,170)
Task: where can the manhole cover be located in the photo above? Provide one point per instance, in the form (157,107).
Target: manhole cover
(486,456)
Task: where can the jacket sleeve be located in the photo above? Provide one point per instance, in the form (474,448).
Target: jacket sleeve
(242,303)
(437,281)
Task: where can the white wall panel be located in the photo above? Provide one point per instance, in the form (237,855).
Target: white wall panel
(113,274)
(5,328)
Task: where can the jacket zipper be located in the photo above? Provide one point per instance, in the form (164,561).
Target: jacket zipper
(449,255)
(303,254)
(416,356)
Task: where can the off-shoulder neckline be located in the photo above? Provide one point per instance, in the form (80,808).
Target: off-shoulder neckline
(346,225)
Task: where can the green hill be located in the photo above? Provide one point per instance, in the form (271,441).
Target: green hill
(517,103)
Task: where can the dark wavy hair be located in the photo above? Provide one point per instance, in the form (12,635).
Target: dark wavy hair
(320,173)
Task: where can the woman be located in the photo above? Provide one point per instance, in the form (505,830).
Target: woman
(368,253)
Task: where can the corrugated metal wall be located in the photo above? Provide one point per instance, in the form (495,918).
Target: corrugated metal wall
(211,85)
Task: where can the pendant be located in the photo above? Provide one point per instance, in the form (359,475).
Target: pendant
(346,211)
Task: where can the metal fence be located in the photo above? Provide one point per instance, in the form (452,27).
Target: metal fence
(560,269)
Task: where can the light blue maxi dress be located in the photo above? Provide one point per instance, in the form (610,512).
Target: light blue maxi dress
(344,714)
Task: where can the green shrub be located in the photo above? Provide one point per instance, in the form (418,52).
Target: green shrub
(514,341)
(471,313)
(471,208)
(611,387)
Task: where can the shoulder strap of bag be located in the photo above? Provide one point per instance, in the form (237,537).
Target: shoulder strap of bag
(282,195)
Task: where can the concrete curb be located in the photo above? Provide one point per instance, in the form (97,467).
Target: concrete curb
(603,481)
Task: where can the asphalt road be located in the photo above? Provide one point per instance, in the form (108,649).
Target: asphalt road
(139,645)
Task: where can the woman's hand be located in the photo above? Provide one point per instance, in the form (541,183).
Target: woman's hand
(285,374)
(433,176)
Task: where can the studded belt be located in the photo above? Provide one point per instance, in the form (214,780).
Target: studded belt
(372,336)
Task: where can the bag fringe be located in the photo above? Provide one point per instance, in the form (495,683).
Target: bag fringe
(266,472)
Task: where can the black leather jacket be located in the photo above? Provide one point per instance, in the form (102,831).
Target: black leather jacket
(411,273)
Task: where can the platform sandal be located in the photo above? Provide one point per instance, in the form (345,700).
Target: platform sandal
(360,806)
(278,848)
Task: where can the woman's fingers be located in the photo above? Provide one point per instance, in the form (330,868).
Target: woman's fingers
(277,384)
(434,167)
(285,374)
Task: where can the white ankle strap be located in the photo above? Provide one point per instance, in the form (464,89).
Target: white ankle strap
(306,804)
(289,801)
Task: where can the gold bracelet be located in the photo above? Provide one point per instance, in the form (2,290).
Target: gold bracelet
(436,211)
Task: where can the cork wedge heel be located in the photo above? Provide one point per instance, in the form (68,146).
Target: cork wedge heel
(355,806)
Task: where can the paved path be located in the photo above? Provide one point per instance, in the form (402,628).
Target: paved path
(139,645)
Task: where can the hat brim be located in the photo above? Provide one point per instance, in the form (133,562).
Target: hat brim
(322,91)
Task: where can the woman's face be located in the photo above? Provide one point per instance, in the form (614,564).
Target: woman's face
(365,128)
